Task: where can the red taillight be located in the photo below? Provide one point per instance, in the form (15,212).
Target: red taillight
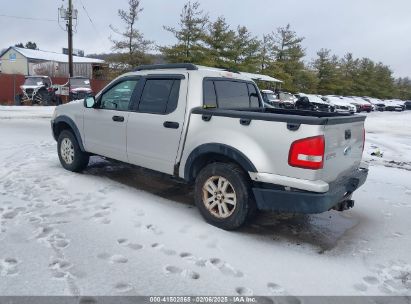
(307,153)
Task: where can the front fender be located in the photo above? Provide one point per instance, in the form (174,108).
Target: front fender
(67,120)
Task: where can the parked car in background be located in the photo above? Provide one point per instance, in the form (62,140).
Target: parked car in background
(312,102)
(378,104)
(80,87)
(37,90)
(340,105)
(208,127)
(407,105)
(287,100)
(361,104)
(394,105)
(270,98)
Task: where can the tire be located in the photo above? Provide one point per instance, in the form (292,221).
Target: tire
(71,157)
(238,192)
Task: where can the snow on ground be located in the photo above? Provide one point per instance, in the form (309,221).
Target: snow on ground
(119,230)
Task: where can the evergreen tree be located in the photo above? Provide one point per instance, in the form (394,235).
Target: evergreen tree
(31,45)
(218,42)
(244,50)
(28,45)
(266,56)
(328,72)
(288,53)
(190,36)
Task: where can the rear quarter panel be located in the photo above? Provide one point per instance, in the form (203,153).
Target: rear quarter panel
(265,143)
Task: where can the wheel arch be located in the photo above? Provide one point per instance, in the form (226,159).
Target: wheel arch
(62,123)
(213,152)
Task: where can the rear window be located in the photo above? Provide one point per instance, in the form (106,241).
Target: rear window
(230,94)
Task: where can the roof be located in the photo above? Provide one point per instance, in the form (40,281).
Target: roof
(267,91)
(261,77)
(51,56)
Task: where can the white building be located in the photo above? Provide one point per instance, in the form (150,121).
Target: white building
(15,60)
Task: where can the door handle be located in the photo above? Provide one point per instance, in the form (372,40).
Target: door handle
(206,117)
(118,118)
(245,121)
(171,124)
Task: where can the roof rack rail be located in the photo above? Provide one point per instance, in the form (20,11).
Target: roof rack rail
(187,66)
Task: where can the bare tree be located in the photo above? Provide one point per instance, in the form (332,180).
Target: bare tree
(132,48)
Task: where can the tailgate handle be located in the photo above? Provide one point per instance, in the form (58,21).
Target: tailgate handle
(245,121)
(293,127)
(347,134)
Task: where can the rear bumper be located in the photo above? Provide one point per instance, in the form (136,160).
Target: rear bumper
(295,201)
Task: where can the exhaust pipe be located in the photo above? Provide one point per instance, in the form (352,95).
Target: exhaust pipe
(344,205)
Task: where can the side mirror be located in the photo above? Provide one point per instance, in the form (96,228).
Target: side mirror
(89,102)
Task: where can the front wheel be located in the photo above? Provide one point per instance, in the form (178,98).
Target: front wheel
(70,155)
(223,195)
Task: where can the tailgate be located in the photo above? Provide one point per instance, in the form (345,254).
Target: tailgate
(343,148)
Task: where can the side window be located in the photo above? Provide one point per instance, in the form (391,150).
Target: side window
(254,99)
(232,94)
(160,96)
(210,99)
(119,96)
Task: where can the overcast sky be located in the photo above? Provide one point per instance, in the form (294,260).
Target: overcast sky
(378,29)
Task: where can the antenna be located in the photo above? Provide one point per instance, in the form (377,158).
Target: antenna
(66,16)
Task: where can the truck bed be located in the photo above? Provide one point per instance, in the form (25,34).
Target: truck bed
(266,135)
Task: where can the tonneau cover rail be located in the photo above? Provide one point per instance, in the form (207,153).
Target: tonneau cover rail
(288,116)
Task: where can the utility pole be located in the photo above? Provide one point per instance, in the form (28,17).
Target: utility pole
(67,15)
(70,37)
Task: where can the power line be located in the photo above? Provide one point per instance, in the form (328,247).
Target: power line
(28,18)
(89,18)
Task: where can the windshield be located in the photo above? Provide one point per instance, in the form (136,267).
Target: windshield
(34,81)
(79,83)
(333,99)
(315,98)
(286,97)
(270,96)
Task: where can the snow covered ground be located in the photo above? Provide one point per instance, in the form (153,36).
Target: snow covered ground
(118,230)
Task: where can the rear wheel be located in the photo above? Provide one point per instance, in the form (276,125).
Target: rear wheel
(70,155)
(223,195)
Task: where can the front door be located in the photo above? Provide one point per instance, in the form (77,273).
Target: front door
(105,126)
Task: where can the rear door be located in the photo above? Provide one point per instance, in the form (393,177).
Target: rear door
(156,123)
(105,126)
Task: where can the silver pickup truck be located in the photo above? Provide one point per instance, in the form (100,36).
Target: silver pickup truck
(209,127)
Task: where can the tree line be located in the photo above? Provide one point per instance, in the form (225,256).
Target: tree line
(279,53)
